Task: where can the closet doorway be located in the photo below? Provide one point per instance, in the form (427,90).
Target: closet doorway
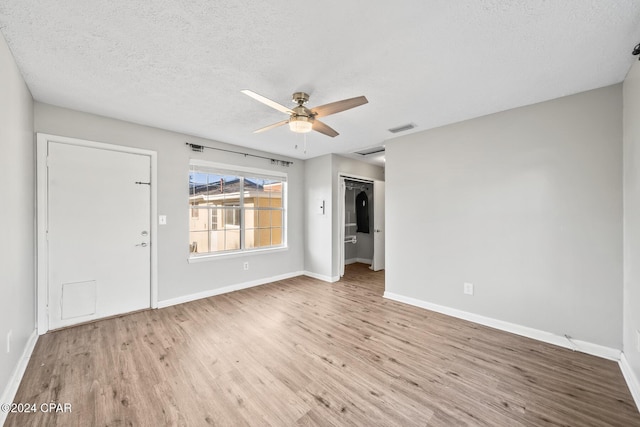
(362,222)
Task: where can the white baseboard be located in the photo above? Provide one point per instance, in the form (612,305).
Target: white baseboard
(360,260)
(632,380)
(225,289)
(11,389)
(536,334)
(322,277)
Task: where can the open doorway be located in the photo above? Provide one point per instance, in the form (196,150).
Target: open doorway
(362,223)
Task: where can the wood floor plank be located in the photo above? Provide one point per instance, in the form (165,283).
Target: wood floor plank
(301,352)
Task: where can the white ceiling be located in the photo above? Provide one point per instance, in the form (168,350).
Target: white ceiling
(180,64)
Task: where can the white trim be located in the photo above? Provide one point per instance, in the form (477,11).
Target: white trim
(225,289)
(342,176)
(42,318)
(548,337)
(9,393)
(42,141)
(322,277)
(212,256)
(342,191)
(633,382)
(363,179)
(154,229)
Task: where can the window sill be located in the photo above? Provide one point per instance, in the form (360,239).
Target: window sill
(230,255)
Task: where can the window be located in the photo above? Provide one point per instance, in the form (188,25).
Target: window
(235,209)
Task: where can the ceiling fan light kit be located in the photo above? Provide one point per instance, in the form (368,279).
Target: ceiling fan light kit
(300,124)
(302,119)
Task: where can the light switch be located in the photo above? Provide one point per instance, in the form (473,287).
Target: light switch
(162,220)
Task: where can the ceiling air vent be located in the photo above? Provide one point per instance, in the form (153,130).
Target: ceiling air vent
(370,151)
(402,128)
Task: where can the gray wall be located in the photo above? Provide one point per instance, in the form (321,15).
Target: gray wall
(176,277)
(318,227)
(17,215)
(632,218)
(525,204)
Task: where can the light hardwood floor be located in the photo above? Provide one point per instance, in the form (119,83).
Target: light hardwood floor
(302,352)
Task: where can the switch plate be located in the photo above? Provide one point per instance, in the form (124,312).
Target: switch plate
(162,220)
(245,265)
(9,334)
(638,340)
(468,288)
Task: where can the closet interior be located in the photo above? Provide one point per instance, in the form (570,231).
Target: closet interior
(358,221)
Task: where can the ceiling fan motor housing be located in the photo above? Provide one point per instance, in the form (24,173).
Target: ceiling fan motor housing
(300,97)
(302,111)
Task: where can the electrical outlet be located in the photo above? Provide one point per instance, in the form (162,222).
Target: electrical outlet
(468,288)
(246,265)
(9,341)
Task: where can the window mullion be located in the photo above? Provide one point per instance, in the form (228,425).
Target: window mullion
(242,222)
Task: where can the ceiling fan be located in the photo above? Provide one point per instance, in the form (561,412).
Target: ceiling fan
(302,119)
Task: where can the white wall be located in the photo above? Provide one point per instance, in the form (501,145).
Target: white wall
(176,277)
(17,216)
(525,204)
(631,94)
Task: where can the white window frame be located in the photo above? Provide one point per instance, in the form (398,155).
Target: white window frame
(244,172)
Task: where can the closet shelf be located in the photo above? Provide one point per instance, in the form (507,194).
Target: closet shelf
(351,224)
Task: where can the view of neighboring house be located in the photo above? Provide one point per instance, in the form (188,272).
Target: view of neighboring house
(220,205)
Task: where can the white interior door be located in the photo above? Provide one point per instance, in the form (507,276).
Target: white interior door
(378,226)
(98,237)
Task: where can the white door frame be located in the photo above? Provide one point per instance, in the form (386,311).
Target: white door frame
(378,261)
(42,316)
(342,210)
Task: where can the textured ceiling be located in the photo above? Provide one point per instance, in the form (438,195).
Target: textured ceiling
(180,64)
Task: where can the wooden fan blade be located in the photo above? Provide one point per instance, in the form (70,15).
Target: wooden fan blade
(318,126)
(336,107)
(275,125)
(267,101)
